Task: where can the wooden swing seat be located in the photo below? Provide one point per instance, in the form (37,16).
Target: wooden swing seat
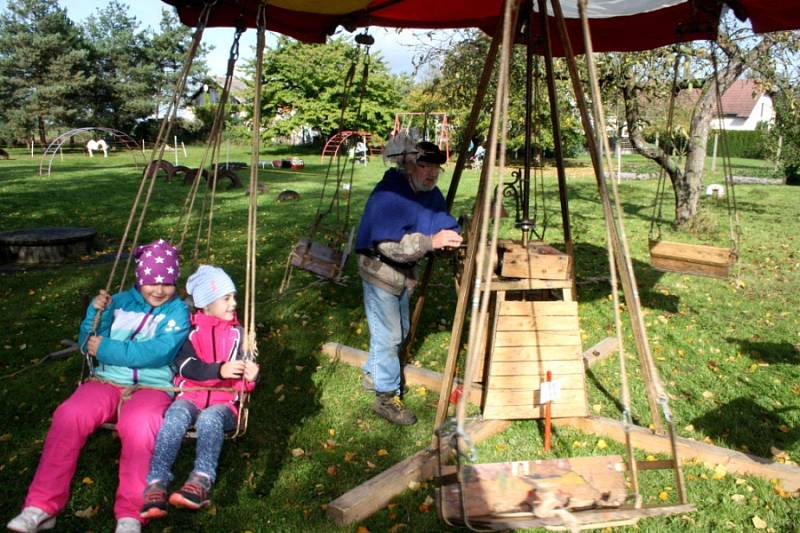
(529,494)
(319,259)
(694,259)
(238,431)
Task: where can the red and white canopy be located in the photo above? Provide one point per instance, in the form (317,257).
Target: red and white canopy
(616,25)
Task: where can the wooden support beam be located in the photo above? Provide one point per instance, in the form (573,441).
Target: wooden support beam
(414,376)
(433,380)
(601,350)
(735,462)
(642,438)
(367,498)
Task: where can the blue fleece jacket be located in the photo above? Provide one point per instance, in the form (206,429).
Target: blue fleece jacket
(394,210)
(139,341)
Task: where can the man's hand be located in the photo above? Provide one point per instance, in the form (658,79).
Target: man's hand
(102,300)
(93,344)
(232,369)
(446,238)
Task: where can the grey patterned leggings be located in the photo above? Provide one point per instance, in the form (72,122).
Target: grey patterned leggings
(210,423)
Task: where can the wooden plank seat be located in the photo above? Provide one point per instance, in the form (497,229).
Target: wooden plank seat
(575,493)
(694,259)
(319,259)
(536,488)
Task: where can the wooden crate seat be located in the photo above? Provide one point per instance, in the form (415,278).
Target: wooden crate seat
(534,487)
(695,259)
(537,260)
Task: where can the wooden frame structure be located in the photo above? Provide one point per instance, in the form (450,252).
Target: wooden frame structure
(478,268)
(442,140)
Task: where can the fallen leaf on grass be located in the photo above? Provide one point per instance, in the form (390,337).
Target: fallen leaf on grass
(331,471)
(708,394)
(5,437)
(719,472)
(88,512)
(601,444)
(758,523)
(371,465)
(425,506)
(298,452)
(738,498)
(278,389)
(349,456)
(783,428)
(87,480)
(398,527)
(413,485)
(382,452)
(362,529)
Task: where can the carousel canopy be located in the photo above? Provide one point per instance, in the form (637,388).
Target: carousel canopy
(617,25)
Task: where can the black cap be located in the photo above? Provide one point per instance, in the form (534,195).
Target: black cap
(427,152)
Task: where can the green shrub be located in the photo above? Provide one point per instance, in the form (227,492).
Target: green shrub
(745,144)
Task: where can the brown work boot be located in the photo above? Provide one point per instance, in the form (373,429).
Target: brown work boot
(390,406)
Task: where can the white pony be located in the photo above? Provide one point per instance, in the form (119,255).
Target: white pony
(93,145)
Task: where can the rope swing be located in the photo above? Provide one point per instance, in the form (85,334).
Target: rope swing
(325,251)
(695,259)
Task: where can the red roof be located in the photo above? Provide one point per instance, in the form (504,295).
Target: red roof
(616,25)
(740,98)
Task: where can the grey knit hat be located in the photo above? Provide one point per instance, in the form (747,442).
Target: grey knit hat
(209,283)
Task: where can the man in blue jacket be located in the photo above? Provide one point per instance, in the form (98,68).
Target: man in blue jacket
(404,219)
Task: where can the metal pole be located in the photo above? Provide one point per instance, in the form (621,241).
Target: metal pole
(556,124)
(714,157)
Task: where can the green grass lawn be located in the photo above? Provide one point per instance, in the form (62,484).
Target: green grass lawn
(728,353)
(638,164)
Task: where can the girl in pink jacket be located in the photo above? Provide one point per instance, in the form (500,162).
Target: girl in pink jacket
(211,359)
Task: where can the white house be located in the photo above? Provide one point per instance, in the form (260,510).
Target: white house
(744,105)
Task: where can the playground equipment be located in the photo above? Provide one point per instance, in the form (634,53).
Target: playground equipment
(124,140)
(432,127)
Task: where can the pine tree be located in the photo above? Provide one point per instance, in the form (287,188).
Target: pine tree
(43,68)
(125,76)
(168,50)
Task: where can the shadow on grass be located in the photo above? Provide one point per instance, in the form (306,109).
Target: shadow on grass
(770,352)
(745,424)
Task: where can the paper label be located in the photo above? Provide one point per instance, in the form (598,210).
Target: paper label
(550,391)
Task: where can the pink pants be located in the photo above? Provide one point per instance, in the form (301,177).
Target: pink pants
(91,405)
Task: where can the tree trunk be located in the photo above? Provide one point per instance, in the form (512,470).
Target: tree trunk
(42,132)
(687,184)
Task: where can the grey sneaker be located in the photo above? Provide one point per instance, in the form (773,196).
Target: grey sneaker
(31,520)
(390,406)
(128,525)
(367,382)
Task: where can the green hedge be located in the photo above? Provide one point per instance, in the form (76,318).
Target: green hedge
(745,144)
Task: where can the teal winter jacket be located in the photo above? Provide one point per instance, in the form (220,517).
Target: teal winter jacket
(139,341)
